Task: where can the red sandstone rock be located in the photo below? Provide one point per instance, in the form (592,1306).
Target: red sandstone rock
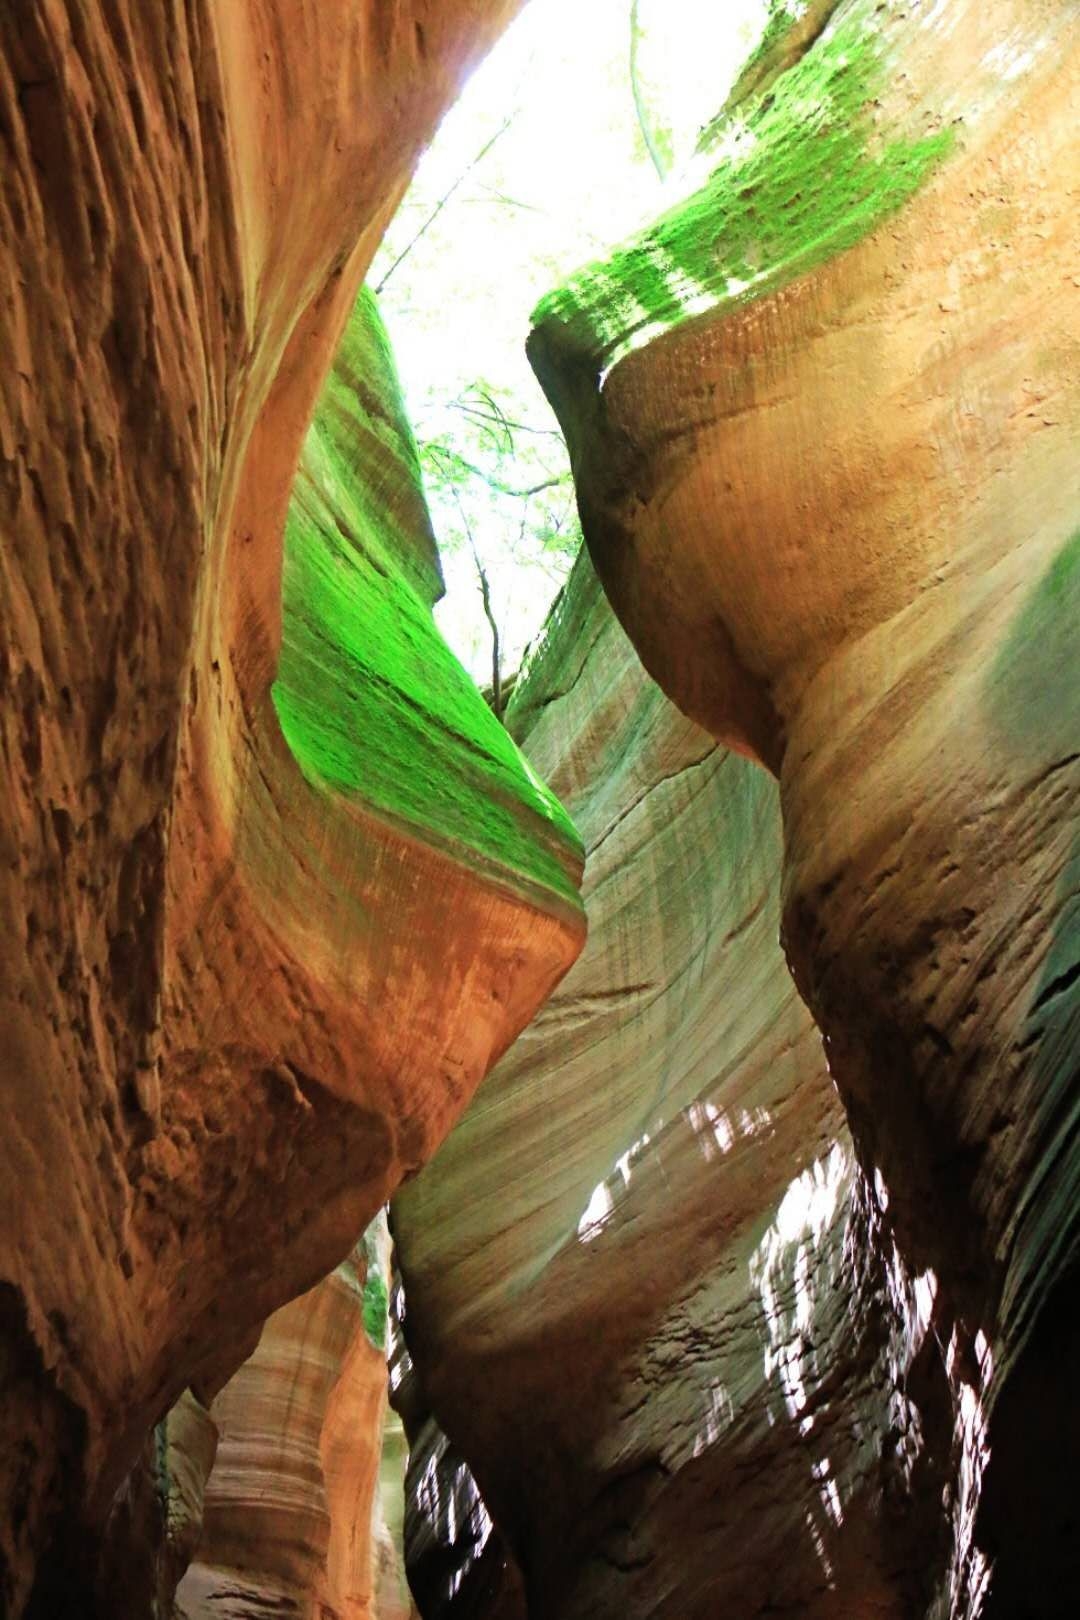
(837,512)
(236,1009)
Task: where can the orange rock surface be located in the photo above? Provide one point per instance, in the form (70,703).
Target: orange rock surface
(237,1007)
(834,498)
(705,1314)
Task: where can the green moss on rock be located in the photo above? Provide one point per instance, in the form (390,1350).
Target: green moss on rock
(374,1309)
(803,172)
(371,701)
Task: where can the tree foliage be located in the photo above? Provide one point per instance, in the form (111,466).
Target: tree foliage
(493,476)
(556,150)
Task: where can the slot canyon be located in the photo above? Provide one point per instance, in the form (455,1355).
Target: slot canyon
(605,1144)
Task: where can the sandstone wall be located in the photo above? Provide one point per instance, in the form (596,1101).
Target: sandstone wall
(648,1293)
(293,1514)
(243,994)
(823,419)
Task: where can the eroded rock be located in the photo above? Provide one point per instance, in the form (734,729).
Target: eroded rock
(292,1506)
(823,422)
(242,995)
(649,1294)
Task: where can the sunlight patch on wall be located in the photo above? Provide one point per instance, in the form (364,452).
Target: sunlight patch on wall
(718,1130)
(793,1268)
(719,1416)
(606,1194)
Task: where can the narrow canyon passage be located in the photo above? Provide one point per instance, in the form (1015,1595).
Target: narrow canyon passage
(589,1129)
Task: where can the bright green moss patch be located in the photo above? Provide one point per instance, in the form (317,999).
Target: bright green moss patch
(790,28)
(804,173)
(370,699)
(374,1308)
(783,19)
(362,457)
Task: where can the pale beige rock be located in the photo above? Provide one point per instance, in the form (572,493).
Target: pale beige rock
(291,1501)
(191,1446)
(393,1600)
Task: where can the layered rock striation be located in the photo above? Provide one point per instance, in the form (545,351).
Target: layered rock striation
(647,1294)
(703,1315)
(718,1338)
(254,959)
(823,420)
(293,1515)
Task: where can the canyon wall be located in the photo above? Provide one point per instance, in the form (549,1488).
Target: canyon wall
(648,1292)
(702,1311)
(293,1517)
(823,418)
(254,962)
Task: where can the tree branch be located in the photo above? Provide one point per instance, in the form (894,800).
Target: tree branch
(439,450)
(640,108)
(502,420)
(485,597)
(445,198)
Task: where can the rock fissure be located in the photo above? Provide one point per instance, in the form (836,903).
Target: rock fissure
(747,1283)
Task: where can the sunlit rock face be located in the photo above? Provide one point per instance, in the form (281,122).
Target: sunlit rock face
(824,423)
(653,1302)
(293,1517)
(252,967)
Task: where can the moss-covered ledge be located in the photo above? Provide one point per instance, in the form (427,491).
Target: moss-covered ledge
(801,169)
(372,702)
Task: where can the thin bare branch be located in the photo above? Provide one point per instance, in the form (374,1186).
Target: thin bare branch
(502,420)
(445,198)
(438,450)
(640,109)
(485,597)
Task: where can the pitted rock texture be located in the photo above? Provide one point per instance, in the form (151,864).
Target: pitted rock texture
(241,997)
(826,461)
(657,1329)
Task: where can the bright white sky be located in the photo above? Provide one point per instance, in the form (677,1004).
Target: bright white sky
(566,181)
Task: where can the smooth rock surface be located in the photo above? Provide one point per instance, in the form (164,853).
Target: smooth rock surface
(293,1516)
(648,1294)
(824,422)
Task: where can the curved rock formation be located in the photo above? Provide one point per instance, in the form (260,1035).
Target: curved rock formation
(647,1290)
(702,1322)
(292,1511)
(252,970)
(824,421)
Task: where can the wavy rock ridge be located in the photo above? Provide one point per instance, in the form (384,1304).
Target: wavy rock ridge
(697,1320)
(669,1254)
(823,420)
(251,971)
